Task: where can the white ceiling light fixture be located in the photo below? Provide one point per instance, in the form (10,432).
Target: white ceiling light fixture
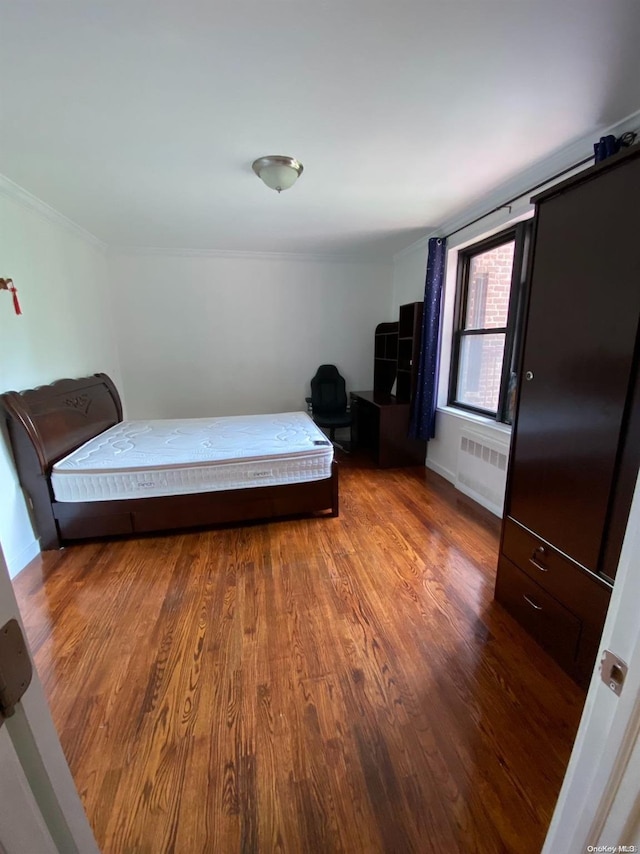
(278,171)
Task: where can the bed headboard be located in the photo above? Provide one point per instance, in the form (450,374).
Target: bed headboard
(60,417)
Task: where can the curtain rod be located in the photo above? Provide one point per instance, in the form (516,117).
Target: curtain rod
(520,195)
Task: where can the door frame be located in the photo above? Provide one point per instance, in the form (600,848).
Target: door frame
(37,747)
(22,827)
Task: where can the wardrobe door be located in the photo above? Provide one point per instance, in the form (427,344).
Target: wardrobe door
(578,359)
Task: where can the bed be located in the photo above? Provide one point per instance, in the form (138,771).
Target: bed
(49,423)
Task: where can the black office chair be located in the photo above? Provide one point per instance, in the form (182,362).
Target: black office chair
(328,401)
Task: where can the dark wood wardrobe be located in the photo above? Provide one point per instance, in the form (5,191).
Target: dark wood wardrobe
(576,434)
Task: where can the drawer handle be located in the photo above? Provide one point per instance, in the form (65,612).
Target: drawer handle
(540,553)
(531,602)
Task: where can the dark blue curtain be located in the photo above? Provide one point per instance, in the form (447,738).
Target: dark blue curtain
(608,145)
(605,147)
(423,413)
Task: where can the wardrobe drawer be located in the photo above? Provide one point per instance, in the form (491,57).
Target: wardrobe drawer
(551,624)
(564,579)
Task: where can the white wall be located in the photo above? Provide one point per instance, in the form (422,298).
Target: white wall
(409,273)
(65,328)
(222,335)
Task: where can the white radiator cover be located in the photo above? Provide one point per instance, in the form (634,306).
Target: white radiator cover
(482,469)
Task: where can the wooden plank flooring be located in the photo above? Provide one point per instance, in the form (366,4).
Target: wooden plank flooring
(318,685)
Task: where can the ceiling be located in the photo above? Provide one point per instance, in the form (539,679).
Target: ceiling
(139,119)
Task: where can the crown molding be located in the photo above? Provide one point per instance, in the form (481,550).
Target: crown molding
(18,194)
(515,188)
(232,254)
(519,187)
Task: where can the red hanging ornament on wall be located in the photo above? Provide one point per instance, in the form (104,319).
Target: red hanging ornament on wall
(7,285)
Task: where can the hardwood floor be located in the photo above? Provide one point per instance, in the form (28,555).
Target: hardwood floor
(318,685)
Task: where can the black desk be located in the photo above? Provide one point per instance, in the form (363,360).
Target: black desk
(380,424)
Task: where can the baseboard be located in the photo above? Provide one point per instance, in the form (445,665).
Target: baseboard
(480,499)
(17,563)
(451,477)
(441,470)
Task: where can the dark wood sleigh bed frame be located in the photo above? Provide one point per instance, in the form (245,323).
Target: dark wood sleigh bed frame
(47,423)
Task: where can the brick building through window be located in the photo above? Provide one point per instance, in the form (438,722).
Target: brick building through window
(490,284)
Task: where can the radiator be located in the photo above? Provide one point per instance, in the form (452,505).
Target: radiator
(482,470)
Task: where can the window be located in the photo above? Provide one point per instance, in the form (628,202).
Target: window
(487,323)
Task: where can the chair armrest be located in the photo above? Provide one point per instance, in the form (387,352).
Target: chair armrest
(309,406)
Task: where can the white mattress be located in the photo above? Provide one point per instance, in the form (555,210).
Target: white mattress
(136,459)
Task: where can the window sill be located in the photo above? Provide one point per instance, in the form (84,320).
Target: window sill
(473,418)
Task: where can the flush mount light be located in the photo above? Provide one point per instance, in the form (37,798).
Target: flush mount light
(277,171)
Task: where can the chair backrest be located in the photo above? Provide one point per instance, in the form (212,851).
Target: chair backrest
(328,391)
